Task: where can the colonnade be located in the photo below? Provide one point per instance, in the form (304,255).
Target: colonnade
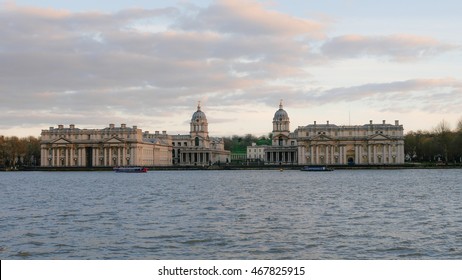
(330,154)
(84,156)
(276,157)
(192,158)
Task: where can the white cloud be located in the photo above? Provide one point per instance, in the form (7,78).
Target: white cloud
(400,47)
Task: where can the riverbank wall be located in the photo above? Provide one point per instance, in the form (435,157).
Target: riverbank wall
(249,167)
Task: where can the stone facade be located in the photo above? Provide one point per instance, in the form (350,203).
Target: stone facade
(121,146)
(110,146)
(329,144)
(198,148)
(370,144)
(284,143)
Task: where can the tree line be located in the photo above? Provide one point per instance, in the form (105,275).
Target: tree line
(19,152)
(439,145)
(238,144)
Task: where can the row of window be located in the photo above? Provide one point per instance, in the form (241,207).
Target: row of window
(179,144)
(88,136)
(185,144)
(350,133)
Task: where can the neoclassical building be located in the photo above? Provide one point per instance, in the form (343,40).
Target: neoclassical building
(119,146)
(330,144)
(110,146)
(284,148)
(198,148)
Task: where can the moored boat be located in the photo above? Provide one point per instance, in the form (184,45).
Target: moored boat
(316,168)
(130,169)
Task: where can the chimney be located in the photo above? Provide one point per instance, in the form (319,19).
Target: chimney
(157,131)
(383,122)
(60,126)
(370,122)
(314,122)
(111,125)
(397,122)
(164,132)
(123,125)
(135,127)
(71,126)
(327,122)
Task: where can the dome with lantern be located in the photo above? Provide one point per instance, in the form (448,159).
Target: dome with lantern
(281,114)
(198,115)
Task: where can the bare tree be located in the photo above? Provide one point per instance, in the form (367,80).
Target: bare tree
(443,135)
(459,126)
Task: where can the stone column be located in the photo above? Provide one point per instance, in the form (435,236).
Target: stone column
(384,154)
(357,154)
(316,160)
(42,153)
(78,163)
(375,154)
(368,153)
(72,156)
(53,156)
(390,157)
(400,153)
(332,151)
(300,149)
(67,156)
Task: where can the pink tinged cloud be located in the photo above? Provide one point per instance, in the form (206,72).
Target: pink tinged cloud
(250,18)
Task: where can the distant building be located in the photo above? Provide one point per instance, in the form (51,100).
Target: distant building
(110,146)
(256,153)
(197,148)
(284,148)
(370,144)
(329,144)
(119,146)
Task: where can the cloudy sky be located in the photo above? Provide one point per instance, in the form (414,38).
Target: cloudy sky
(148,63)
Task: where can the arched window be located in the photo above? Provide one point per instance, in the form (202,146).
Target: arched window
(196,141)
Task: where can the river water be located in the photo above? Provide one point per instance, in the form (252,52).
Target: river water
(345,214)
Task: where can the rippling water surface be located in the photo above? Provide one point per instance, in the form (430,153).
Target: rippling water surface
(366,214)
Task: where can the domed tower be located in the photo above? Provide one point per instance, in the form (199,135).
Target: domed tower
(281,120)
(281,129)
(199,127)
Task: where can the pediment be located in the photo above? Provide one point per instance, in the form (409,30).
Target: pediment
(280,135)
(61,141)
(321,138)
(114,140)
(378,137)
